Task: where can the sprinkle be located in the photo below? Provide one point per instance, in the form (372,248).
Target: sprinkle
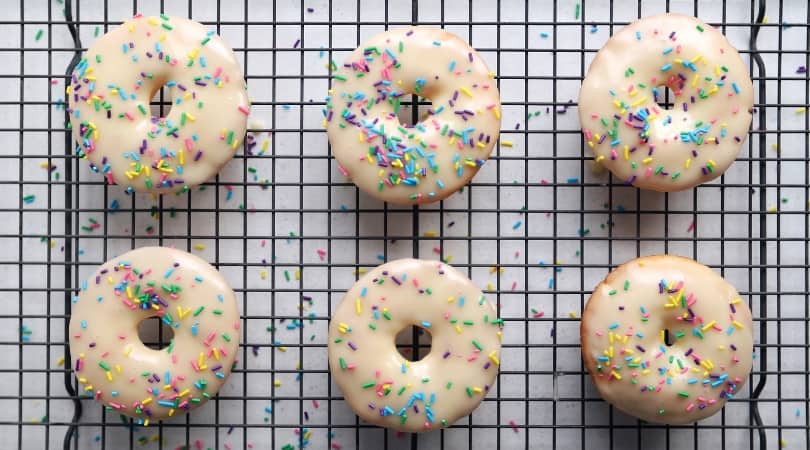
(28,199)
(39,34)
(506,143)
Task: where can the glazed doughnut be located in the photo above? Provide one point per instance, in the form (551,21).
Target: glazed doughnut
(649,302)
(432,159)
(388,390)
(111,88)
(650,147)
(117,369)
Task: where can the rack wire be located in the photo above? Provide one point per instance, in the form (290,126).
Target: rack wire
(537,227)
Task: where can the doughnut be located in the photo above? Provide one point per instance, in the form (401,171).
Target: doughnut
(429,160)
(384,388)
(111,88)
(641,142)
(666,339)
(115,367)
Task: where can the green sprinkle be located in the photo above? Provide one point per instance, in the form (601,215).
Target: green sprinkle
(340,77)
(401,390)
(368,384)
(470,392)
(477,344)
(387,315)
(287,275)
(218,312)
(699,28)
(661,411)
(577,10)
(612,292)
(343,364)
(683,393)
(372,325)
(104,365)
(626,284)
(39,34)
(449,384)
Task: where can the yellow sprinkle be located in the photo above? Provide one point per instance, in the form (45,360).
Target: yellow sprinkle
(600,158)
(493,356)
(572,314)
(736,301)
(661,335)
(359,271)
(709,325)
(639,101)
(477,390)
(146,422)
(199,246)
(152,20)
(128,350)
(451,299)
(430,233)
(697,58)
(647,160)
(687,163)
(193,53)
(801,110)
(626,152)
(465,91)
(458,329)
(490,287)
(297,274)
(506,143)
(497,112)
(775,147)
(737,324)
(615,375)
(772,209)
(235,144)
(146,401)
(358,307)
(108,375)
(60,361)
(277,383)
(695,80)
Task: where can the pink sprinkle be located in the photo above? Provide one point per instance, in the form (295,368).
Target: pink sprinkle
(514,425)
(321,253)
(691,227)
(189,144)
(315,403)
(341,169)
(244,110)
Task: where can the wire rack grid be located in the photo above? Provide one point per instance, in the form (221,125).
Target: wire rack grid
(538,228)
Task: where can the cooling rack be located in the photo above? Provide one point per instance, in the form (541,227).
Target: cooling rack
(537,228)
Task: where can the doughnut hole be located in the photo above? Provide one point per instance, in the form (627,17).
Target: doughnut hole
(154,333)
(414,343)
(160,104)
(669,337)
(412,109)
(665,97)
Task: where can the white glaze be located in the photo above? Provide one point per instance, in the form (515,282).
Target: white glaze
(432,63)
(208,118)
(104,330)
(724,115)
(718,311)
(453,358)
